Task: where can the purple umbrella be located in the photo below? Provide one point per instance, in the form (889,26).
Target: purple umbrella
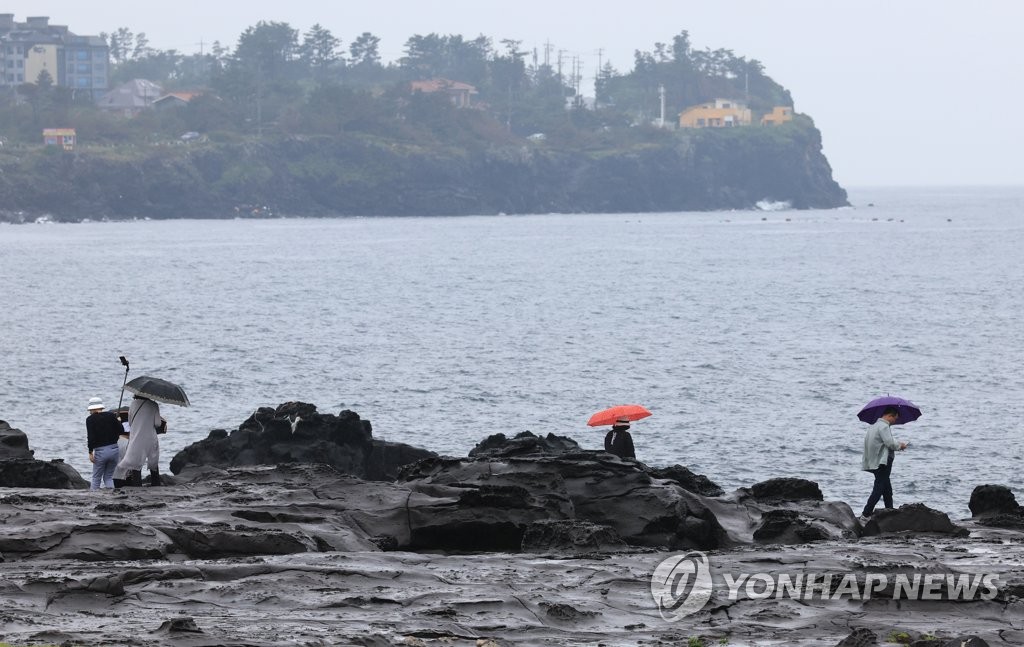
(872,411)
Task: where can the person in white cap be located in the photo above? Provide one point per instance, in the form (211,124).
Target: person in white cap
(618,441)
(102,428)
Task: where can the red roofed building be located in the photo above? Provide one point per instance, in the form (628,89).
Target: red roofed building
(174,99)
(461,94)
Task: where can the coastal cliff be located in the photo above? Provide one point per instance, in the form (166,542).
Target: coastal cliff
(354,175)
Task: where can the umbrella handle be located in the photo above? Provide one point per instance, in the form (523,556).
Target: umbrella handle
(119,400)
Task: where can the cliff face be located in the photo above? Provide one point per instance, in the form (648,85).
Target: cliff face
(684,171)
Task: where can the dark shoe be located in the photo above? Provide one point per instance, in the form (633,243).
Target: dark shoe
(867,514)
(133,478)
(154,478)
(118,483)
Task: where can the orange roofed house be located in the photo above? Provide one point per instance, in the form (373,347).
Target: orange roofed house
(461,94)
(720,113)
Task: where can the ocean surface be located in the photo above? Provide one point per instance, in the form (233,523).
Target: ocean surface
(753,337)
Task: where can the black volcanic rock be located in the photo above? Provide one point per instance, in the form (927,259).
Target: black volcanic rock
(987,500)
(13,442)
(859,638)
(295,432)
(787,489)
(587,486)
(787,527)
(913,518)
(524,444)
(571,536)
(689,480)
(19,469)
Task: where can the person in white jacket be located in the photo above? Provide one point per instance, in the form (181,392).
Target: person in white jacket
(879,451)
(143,445)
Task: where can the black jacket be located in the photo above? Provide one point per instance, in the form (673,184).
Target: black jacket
(621,446)
(103,429)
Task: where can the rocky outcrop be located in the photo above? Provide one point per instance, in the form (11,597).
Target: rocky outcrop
(525,444)
(562,545)
(995,506)
(914,518)
(989,500)
(786,489)
(295,432)
(18,468)
(496,500)
(13,442)
(687,479)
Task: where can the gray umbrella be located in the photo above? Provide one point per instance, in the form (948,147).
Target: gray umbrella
(156,389)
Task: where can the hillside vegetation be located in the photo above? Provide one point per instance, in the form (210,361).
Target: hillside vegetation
(288,125)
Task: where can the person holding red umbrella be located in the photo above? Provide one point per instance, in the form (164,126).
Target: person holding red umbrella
(618,441)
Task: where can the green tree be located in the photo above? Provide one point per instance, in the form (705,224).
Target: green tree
(319,49)
(44,81)
(142,47)
(365,50)
(268,48)
(120,43)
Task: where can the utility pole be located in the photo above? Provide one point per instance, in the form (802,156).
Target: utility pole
(547,53)
(661,94)
(597,77)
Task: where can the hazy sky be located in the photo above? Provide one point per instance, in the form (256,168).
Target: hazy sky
(905,92)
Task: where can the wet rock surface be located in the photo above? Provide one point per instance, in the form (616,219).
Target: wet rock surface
(530,541)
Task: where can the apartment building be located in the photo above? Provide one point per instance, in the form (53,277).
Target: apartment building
(80,63)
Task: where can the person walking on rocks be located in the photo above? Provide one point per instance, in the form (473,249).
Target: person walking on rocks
(879,451)
(618,441)
(102,429)
(143,445)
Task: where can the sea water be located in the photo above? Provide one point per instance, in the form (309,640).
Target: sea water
(753,337)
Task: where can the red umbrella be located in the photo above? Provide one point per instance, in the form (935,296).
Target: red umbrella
(620,412)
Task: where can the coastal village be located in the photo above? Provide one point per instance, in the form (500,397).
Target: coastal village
(37,52)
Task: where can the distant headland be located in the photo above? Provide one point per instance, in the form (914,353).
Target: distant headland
(290,124)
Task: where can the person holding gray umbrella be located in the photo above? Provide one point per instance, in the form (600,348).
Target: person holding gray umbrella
(145,423)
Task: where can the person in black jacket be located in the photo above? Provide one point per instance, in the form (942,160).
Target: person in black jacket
(618,441)
(102,428)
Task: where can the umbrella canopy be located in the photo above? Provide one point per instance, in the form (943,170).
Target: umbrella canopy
(872,411)
(610,415)
(156,389)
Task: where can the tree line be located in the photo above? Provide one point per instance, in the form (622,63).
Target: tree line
(278,81)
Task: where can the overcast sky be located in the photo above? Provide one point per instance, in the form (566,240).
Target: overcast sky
(905,92)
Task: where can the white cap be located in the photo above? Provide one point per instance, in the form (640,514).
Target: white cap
(95,404)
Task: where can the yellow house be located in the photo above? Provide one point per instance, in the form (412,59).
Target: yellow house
(779,115)
(720,113)
(39,58)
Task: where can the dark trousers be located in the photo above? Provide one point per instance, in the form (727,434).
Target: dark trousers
(881,490)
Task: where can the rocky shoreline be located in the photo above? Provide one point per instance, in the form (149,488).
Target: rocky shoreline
(300,528)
